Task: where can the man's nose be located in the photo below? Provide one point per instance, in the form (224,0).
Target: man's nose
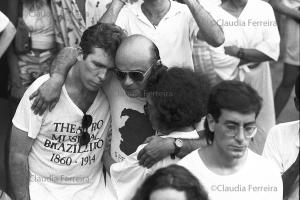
(128,81)
(240,136)
(102,74)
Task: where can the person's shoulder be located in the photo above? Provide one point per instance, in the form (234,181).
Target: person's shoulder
(179,6)
(37,83)
(188,158)
(261,5)
(288,124)
(131,9)
(260,2)
(284,128)
(263,164)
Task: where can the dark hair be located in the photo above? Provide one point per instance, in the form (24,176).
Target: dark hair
(102,35)
(234,96)
(297,87)
(179,96)
(175,177)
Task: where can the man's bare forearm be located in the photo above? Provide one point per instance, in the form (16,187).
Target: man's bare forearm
(19,176)
(111,15)
(190,145)
(63,63)
(209,29)
(283,9)
(253,55)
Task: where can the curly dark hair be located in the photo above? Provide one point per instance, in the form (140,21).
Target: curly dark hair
(175,177)
(102,35)
(179,96)
(234,96)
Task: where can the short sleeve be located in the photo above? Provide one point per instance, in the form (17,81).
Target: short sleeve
(24,118)
(123,18)
(4,21)
(271,149)
(271,38)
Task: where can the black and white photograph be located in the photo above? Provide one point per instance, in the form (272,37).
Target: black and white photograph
(149,99)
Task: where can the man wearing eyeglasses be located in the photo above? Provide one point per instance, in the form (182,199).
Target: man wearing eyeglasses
(227,168)
(136,59)
(57,155)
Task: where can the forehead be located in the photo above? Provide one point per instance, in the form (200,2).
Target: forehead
(101,56)
(133,63)
(233,116)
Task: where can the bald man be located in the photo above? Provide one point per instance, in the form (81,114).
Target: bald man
(136,58)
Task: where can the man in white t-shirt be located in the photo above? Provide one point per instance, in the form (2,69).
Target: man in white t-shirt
(136,59)
(169,24)
(227,169)
(57,155)
(282,147)
(7,33)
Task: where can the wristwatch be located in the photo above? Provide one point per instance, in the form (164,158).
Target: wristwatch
(178,145)
(241,53)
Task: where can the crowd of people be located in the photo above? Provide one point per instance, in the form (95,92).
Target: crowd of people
(150,99)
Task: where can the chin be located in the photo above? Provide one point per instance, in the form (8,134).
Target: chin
(237,155)
(92,88)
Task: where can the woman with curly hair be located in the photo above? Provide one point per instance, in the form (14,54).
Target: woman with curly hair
(176,100)
(173,182)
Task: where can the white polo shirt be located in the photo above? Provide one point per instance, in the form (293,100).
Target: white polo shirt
(282,144)
(173,35)
(3,21)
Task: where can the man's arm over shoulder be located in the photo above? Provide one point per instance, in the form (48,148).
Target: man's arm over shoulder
(158,148)
(47,95)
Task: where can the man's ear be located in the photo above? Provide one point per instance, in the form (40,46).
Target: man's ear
(211,122)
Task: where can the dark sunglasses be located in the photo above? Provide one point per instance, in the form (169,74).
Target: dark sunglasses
(134,75)
(85,138)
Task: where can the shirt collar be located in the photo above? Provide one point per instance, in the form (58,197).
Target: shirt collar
(174,10)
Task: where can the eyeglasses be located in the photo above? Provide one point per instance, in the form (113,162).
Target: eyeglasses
(134,75)
(233,130)
(85,136)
